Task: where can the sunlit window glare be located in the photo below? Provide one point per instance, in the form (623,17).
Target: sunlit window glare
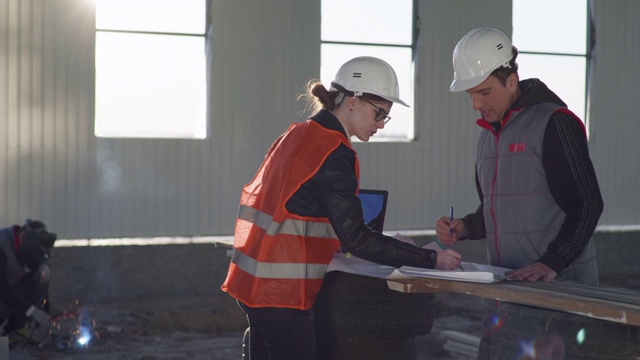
(378,21)
(150,77)
(557,52)
(564,75)
(168,16)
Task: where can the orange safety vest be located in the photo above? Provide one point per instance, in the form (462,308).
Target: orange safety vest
(279,258)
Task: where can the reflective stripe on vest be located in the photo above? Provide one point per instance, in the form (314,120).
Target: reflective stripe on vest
(288,227)
(277,270)
(274,270)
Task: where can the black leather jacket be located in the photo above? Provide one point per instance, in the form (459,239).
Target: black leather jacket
(332,193)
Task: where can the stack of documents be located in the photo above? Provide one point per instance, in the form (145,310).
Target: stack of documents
(477,273)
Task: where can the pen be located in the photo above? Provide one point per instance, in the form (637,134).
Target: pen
(451,218)
(441,245)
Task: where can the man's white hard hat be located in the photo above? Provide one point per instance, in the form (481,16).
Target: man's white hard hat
(366,74)
(477,55)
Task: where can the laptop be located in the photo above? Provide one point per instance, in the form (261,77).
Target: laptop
(374,206)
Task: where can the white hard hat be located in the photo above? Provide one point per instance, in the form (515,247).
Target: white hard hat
(477,55)
(366,74)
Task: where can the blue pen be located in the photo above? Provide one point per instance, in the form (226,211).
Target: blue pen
(450,232)
(451,218)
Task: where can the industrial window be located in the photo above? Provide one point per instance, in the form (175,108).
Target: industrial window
(386,34)
(150,69)
(554,46)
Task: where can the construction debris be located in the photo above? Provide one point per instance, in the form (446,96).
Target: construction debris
(460,345)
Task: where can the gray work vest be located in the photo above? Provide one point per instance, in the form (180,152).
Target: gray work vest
(14,269)
(521,216)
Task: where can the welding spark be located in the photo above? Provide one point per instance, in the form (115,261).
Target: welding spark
(85,336)
(73,329)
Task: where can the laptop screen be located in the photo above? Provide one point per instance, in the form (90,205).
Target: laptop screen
(374,205)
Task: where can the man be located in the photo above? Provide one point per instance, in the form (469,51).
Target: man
(539,196)
(24,275)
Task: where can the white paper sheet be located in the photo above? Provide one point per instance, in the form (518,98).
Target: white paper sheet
(477,273)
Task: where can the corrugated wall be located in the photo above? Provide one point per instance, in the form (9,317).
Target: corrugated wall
(46,101)
(53,167)
(260,55)
(614,122)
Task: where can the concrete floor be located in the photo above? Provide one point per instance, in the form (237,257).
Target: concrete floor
(211,327)
(164,302)
(195,328)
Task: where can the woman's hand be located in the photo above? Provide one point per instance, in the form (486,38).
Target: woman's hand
(448,260)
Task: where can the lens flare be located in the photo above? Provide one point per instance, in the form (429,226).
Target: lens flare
(494,324)
(527,349)
(543,347)
(582,334)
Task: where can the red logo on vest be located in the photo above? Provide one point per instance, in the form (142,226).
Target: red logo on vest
(519,147)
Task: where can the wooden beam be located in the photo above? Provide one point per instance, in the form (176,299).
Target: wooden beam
(600,302)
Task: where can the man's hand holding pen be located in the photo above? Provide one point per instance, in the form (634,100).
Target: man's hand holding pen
(448,230)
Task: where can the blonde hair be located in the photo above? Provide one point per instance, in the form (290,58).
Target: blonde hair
(317,97)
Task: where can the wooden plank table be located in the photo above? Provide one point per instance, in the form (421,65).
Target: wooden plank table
(600,302)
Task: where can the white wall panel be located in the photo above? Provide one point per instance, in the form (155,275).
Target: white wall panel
(260,55)
(613,122)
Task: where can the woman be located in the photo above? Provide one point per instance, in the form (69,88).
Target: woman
(302,207)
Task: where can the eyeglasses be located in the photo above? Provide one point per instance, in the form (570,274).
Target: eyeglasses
(381,115)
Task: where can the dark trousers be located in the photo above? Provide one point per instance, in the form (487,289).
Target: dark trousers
(280,334)
(34,288)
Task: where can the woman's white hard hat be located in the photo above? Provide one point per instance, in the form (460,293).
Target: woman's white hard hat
(477,55)
(366,74)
